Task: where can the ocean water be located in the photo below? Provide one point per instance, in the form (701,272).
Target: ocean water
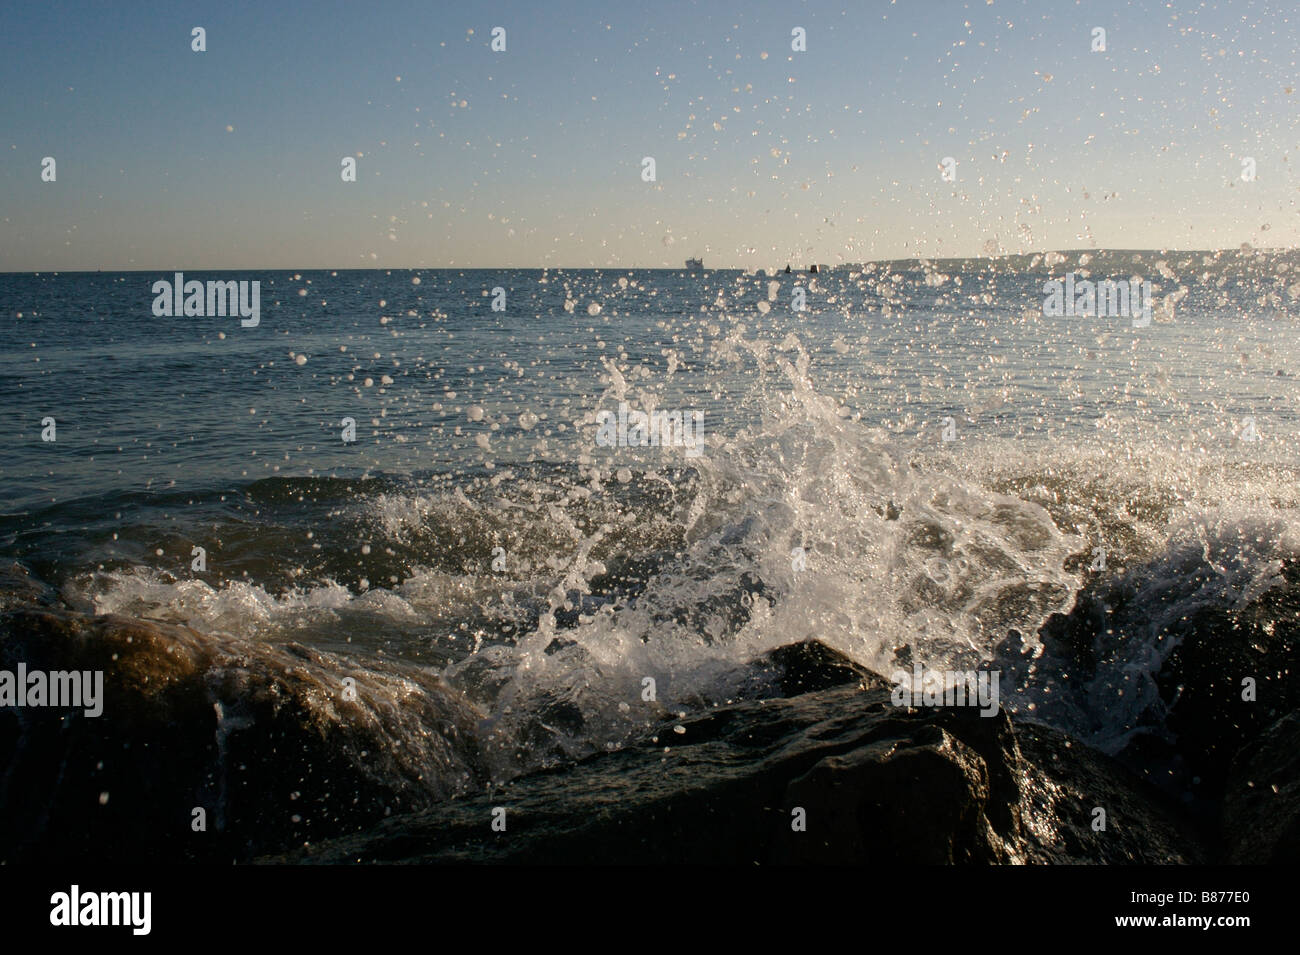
(919,466)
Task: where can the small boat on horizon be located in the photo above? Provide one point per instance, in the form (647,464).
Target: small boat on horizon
(694,265)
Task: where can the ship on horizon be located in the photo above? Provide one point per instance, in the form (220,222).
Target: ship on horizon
(694,265)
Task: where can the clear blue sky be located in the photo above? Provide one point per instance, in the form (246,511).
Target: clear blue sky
(532,157)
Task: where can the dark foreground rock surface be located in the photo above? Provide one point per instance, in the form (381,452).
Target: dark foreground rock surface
(810,764)
(267,741)
(1261,812)
(1221,735)
(875,783)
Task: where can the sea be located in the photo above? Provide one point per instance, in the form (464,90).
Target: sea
(911,462)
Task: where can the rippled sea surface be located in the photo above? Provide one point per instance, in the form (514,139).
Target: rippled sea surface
(917,464)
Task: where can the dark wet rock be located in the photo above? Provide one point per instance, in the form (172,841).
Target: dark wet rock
(1066,782)
(1261,809)
(1198,717)
(264,738)
(19,587)
(1203,677)
(877,784)
(809,666)
(543,726)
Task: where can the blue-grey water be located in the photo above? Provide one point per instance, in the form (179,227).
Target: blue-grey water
(920,459)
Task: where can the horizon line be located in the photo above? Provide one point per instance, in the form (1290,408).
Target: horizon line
(660,268)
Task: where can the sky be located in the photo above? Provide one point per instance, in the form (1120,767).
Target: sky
(231,158)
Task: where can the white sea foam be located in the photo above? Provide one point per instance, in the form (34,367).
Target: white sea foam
(944,557)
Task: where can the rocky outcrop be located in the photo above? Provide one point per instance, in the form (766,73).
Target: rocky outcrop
(19,587)
(836,775)
(269,742)
(1216,651)
(809,762)
(1261,809)
(1227,687)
